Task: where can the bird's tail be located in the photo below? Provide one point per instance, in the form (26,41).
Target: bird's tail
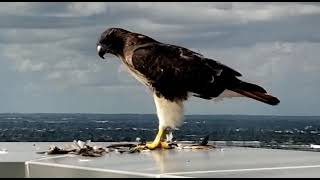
(255,92)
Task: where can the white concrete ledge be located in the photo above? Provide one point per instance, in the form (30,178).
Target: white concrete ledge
(22,161)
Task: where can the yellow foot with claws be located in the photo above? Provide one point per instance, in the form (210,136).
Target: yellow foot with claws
(161,145)
(153,146)
(157,143)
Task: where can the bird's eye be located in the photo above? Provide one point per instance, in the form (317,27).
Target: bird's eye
(106,40)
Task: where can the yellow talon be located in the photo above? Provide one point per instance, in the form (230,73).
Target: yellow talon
(157,143)
(165,145)
(162,145)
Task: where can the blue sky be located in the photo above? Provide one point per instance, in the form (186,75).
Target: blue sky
(49,61)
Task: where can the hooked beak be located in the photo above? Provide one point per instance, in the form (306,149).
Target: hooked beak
(101,51)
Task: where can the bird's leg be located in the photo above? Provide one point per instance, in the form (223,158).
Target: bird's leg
(169,114)
(158,142)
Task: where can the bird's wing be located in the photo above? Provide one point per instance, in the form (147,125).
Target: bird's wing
(177,67)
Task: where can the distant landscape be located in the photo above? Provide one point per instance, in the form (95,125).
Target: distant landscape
(44,127)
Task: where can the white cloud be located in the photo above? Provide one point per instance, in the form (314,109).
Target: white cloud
(54,75)
(15,8)
(215,12)
(268,11)
(28,66)
(87,8)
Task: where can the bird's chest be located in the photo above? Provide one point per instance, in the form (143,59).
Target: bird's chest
(135,73)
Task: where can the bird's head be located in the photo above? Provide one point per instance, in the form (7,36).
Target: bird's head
(111,41)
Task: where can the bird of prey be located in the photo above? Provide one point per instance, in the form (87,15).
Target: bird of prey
(174,73)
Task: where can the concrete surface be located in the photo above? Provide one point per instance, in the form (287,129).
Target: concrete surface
(220,162)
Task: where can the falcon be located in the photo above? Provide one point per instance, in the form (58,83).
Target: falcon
(173,74)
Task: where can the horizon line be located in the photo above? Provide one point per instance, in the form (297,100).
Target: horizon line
(152,114)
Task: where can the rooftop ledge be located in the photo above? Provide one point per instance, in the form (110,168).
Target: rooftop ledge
(21,160)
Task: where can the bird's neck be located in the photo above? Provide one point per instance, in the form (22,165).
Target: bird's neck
(130,42)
